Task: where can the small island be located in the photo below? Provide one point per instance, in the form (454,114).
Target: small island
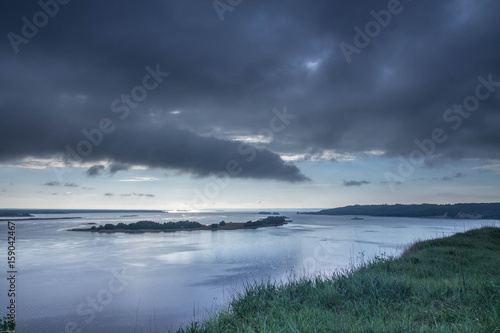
(150,226)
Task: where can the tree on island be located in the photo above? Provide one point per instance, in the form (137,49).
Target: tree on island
(270,220)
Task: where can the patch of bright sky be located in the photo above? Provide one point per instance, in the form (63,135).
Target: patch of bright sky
(251,138)
(313,65)
(173,190)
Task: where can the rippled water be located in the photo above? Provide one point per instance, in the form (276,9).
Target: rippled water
(152,282)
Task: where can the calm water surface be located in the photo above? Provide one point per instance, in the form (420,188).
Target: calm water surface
(152,282)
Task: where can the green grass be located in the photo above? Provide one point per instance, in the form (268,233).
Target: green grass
(445,285)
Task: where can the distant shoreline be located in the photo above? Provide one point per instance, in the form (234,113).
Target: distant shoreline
(42,218)
(469,211)
(12,212)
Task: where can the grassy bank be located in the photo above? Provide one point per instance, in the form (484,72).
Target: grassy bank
(444,285)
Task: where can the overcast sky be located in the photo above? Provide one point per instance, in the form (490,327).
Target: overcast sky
(188,104)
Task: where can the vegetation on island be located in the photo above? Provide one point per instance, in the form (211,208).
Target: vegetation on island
(7,325)
(185,225)
(461,210)
(269,213)
(149,225)
(270,220)
(450,284)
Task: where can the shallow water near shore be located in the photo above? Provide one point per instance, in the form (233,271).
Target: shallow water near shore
(152,282)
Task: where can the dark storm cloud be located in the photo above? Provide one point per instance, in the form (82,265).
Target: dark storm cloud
(391,183)
(56,183)
(226,77)
(114,168)
(95,170)
(138,195)
(52,183)
(449,178)
(443,179)
(108,194)
(355,182)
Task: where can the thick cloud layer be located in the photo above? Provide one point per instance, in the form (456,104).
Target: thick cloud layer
(225,78)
